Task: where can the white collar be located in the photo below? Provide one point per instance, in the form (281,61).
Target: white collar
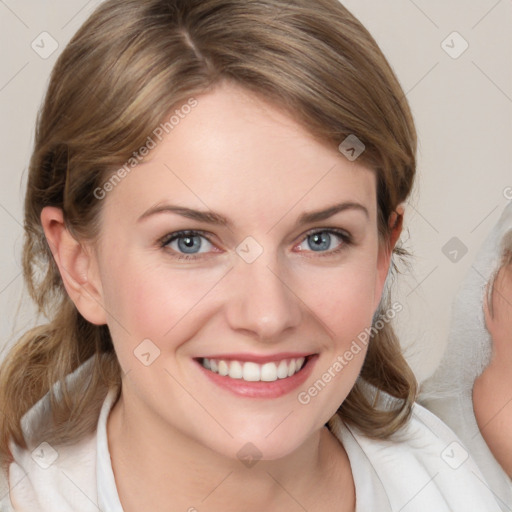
(370,493)
(108,498)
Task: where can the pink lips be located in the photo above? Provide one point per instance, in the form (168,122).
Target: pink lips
(261,389)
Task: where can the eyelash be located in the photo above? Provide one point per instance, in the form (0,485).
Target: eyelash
(167,239)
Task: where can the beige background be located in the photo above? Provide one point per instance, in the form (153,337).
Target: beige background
(462,107)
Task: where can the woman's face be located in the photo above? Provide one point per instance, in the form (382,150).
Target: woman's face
(254,287)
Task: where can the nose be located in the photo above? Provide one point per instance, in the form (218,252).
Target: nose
(262,302)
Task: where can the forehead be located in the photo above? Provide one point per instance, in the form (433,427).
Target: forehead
(237,154)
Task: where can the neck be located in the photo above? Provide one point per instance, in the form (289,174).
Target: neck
(147,453)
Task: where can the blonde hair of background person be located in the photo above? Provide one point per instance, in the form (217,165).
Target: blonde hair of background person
(130,67)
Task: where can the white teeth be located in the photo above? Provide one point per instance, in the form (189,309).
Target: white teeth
(223,368)
(235,370)
(254,372)
(282,370)
(291,368)
(269,372)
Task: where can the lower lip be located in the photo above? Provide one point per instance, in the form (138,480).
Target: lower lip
(261,389)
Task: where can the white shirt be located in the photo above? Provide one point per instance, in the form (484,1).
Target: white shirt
(426,470)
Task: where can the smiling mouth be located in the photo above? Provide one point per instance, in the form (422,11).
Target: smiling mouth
(253,372)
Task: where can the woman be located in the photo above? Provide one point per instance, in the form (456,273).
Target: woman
(213,202)
(492,392)
(471,389)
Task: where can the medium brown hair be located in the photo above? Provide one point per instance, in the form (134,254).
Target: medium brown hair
(129,64)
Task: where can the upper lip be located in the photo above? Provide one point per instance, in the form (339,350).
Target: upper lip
(256,358)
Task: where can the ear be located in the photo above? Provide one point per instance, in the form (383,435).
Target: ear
(77,266)
(395,224)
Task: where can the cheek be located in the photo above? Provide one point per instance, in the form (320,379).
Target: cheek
(153,301)
(344,298)
(343,303)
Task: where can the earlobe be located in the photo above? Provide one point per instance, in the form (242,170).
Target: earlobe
(395,224)
(76,266)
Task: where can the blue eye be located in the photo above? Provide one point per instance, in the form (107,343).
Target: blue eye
(190,244)
(322,241)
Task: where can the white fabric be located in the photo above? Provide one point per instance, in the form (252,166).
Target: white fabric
(422,471)
(448,393)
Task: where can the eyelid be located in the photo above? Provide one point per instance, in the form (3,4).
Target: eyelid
(344,235)
(337,231)
(183,232)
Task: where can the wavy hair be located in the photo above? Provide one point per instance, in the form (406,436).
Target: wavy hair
(131,62)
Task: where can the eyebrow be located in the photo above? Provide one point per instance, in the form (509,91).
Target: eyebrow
(214,218)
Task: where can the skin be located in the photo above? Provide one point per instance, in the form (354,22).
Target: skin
(174,436)
(492,391)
